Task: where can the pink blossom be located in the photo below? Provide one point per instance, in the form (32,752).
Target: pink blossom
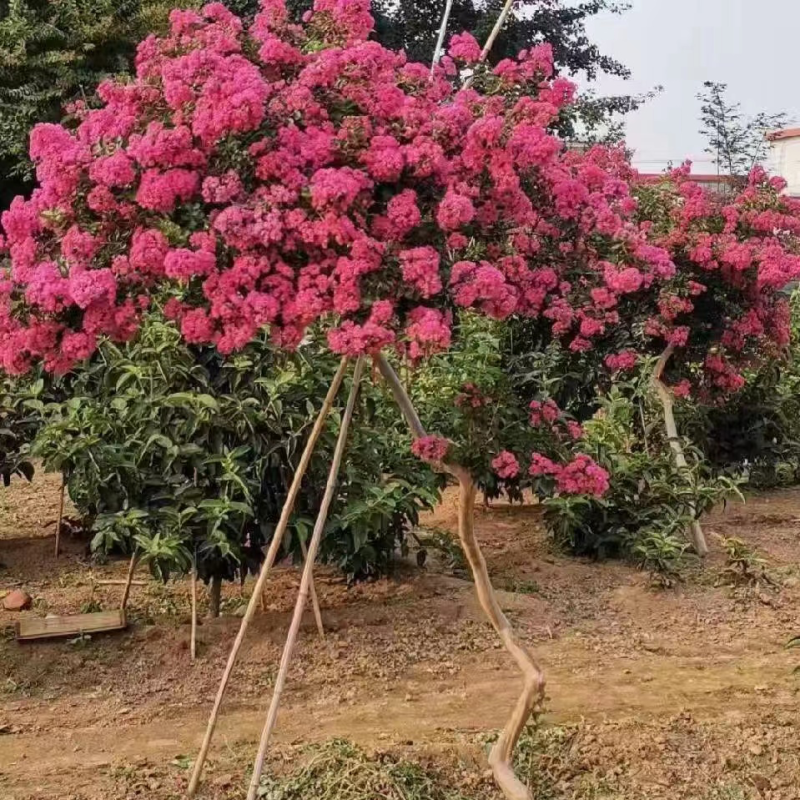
(505,465)
(583,476)
(454,211)
(420,267)
(464,47)
(623,361)
(430,448)
(541,465)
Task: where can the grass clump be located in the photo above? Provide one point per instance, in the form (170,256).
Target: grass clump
(339,770)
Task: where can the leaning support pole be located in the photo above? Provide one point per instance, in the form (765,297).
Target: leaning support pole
(126,592)
(60,514)
(272,553)
(314,599)
(533,691)
(193,642)
(437,53)
(665,396)
(498,26)
(305,583)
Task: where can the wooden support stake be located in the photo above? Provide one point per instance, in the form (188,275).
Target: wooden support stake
(665,396)
(126,592)
(500,758)
(60,514)
(498,26)
(440,39)
(193,642)
(258,589)
(314,600)
(305,583)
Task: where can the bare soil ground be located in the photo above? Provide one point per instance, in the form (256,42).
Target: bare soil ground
(680,693)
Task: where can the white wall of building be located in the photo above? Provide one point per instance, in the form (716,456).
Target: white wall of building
(784,160)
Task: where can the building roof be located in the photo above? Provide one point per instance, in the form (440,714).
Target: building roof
(785,133)
(693,177)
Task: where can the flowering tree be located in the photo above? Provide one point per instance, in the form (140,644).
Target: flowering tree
(280,174)
(725,310)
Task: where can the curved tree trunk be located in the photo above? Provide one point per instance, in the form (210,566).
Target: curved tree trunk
(665,396)
(532,694)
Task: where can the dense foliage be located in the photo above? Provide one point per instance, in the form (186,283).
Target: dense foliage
(184,456)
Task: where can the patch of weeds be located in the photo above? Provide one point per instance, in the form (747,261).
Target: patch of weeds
(339,770)
(744,566)
(91,606)
(444,547)
(519,586)
(663,555)
(10,687)
(730,792)
(549,761)
(233,606)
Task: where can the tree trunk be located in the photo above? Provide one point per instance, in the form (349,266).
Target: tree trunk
(665,396)
(533,690)
(305,584)
(214,596)
(258,589)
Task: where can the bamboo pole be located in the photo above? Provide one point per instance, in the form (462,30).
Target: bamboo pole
(126,592)
(60,514)
(500,758)
(437,53)
(314,600)
(277,538)
(665,396)
(193,643)
(495,32)
(302,598)
(498,26)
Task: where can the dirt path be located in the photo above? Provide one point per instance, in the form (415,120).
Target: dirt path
(650,674)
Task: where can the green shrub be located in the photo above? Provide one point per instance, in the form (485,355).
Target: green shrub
(182,454)
(651,502)
(20,406)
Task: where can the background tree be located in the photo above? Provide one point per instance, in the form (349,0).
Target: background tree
(736,140)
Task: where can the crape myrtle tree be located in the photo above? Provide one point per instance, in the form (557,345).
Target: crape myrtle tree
(726,309)
(275,175)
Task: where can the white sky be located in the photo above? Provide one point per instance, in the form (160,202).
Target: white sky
(752,45)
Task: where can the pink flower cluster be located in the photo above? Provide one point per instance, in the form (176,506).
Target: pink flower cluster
(275,174)
(505,465)
(432,449)
(723,309)
(580,476)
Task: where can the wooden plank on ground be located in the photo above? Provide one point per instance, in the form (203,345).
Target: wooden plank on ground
(75,625)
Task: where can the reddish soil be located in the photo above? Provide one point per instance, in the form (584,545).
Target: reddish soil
(682,693)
